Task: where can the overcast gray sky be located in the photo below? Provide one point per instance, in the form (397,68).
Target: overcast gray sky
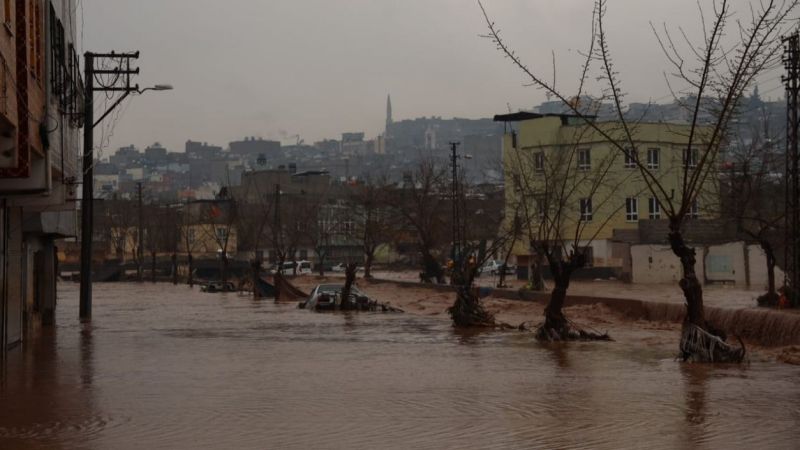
(278,68)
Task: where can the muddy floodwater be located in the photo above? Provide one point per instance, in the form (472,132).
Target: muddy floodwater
(169,367)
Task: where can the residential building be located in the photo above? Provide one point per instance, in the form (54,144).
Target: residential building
(40,120)
(535,142)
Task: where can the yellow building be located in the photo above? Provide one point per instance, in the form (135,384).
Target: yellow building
(558,167)
(208,240)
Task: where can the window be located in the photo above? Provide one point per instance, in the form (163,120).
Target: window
(540,206)
(653,158)
(586,209)
(584,159)
(631,156)
(694,211)
(190,237)
(631,209)
(222,234)
(690,157)
(655,208)
(538,161)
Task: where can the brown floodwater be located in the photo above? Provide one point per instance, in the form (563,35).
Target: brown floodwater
(169,367)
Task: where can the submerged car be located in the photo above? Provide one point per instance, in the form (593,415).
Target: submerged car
(218,286)
(328,297)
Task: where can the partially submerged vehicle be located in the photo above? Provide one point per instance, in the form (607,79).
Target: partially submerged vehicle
(328,297)
(218,286)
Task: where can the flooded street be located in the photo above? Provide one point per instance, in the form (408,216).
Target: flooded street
(167,367)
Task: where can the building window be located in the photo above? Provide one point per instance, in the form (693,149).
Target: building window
(540,207)
(694,211)
(584,159)
(690,157)
(538,161)
(586,209)
(653,158)
(631,156)
(632,209)
(190,236)
(222,234)
(655,208)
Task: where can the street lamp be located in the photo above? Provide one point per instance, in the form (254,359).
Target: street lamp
(158,87)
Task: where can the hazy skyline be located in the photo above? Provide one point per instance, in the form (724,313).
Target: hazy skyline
(318,68)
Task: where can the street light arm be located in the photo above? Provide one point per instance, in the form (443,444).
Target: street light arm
(158,87)
(111,108)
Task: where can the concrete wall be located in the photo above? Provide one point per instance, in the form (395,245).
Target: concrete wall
(653,264)
(757,265)
(732,263)
(726,263)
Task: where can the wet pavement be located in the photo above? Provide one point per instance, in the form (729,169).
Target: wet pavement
(164,366)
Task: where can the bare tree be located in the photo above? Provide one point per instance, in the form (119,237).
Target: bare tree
(558,195)
(373,224)
(713,77)
(189,242)
(420,206)
(161,231)
(754,197)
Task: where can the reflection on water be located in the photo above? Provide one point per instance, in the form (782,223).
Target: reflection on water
(167,367)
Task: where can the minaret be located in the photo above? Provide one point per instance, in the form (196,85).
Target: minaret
(388,115)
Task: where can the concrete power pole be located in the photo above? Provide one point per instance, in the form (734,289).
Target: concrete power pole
(456,216)
(118,79)
(791,59)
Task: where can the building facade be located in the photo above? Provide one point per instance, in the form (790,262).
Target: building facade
(536,145)
(41,98)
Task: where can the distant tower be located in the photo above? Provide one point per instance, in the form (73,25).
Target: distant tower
(388,115)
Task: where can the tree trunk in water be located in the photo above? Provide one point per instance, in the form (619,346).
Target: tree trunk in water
(700,342)
(556,327)
(256,272)
(224,267)
(690,285)
(153,266)
(771,298)
(349,279)
(554,319)
(431,268)
(536,277)
(191,270)
(368,265)
(174,268)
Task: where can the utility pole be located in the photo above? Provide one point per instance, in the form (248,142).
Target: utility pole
(119,80)
(140,235)
(791,60)
(456,216)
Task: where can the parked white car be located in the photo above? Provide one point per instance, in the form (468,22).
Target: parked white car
(341,267)
(303,267)
(493,266)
